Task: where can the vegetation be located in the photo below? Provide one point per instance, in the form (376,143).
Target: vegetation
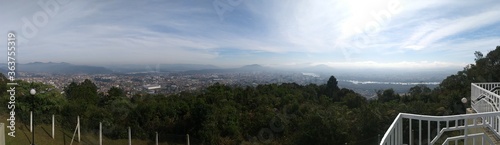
(272,114)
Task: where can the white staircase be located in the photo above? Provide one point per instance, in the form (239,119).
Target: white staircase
(482,127)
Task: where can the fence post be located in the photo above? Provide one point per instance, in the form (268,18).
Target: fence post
(31,121)
(78,123)
(53,126)
(129,137)
(77,129)
(187,139)
(2,134)
(100,133)
(156,138)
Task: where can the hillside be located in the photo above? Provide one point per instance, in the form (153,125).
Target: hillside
(285,113)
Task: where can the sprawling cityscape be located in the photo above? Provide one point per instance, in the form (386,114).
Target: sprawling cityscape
(169,83)
(250,72)
(174,82)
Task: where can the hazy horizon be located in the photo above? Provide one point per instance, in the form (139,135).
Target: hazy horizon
(280,67)
(395,34)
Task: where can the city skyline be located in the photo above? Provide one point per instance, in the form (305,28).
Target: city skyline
(342,34)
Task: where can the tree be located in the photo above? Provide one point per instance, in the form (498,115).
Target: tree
(478,55)
(3,84)
(116,92)
(421,92)
(387,95)
(353,100)
(85,92)
(332,89)
(82,101)
(493,64)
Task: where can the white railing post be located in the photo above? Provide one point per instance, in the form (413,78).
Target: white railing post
(31,121)
(78,123)
(482,139)
(438,128)
(401,132)
(428,132)
(410,137)
(53,126)
(420,132)
(465,132)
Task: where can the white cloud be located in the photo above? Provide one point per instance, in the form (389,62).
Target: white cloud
(180,32)
(455,26)
(398,65)
(463,49)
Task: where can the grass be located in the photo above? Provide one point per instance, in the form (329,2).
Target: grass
(43,136)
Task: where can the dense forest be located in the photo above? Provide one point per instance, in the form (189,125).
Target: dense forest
(285,113)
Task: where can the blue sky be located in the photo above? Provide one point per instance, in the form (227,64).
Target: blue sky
(228,33)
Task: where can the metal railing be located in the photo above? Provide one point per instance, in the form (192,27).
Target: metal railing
(485,97)
(435,127)
(424,129)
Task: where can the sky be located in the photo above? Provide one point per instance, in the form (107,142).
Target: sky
(227,33)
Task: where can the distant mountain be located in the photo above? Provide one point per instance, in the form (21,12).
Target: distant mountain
(58,68)
(129,68)
(319,69)
(246,68)
(186,67)
(252,67)
(4,70)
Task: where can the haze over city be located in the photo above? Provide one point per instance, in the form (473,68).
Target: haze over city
(398,34)
(225,72)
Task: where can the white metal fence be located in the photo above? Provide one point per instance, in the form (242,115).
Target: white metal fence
(423,129)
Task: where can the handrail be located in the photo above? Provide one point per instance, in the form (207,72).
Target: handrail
(485,100)
(483,106)
(485,97)
(391,130)
(488,86)
(482,135)
(452,129)
(485,89)
(447,118)
(394,133)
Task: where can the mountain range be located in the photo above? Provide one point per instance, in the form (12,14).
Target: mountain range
(360,74)
(56,68)
(67,68)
